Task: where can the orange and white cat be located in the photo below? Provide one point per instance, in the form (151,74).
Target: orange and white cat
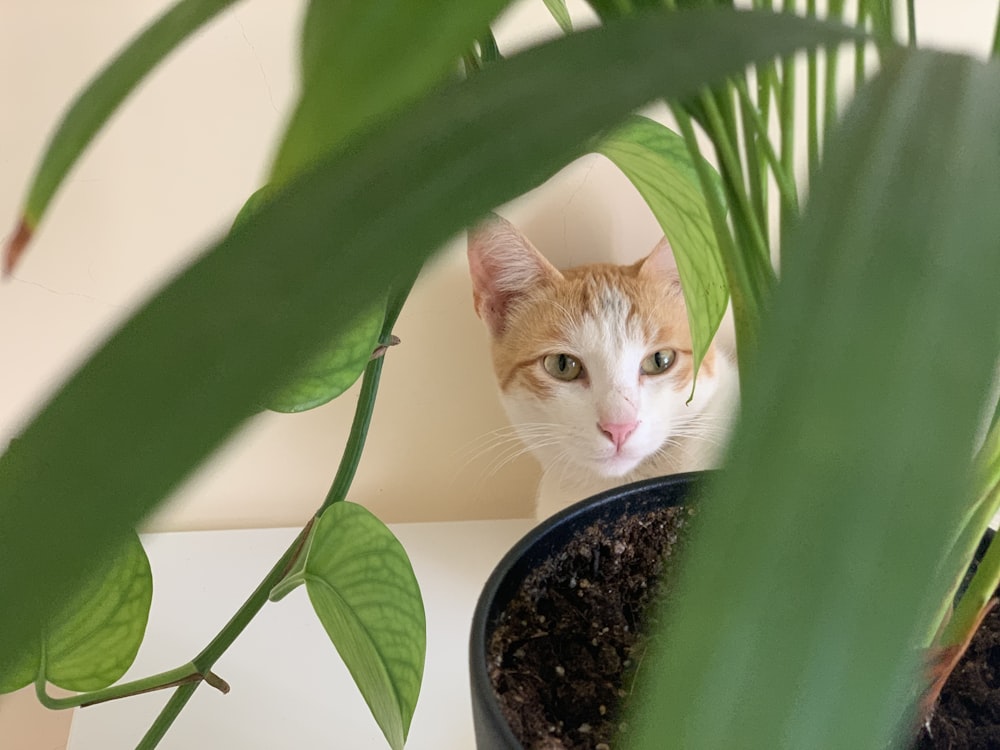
(595,366)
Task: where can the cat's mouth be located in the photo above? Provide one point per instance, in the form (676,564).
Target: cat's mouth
(617,464)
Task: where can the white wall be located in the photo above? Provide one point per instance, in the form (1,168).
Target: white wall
(169,174)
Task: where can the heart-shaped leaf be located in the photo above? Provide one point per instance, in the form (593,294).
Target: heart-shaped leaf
(363,589)
(95,640)
(334,370)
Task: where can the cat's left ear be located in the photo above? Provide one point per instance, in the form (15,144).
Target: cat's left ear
(661,266)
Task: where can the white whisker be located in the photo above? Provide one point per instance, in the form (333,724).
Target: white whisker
(511,442)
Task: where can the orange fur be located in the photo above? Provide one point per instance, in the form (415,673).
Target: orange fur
(539,322)
(620,416)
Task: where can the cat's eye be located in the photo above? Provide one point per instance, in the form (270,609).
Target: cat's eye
(658,362)
(562,366)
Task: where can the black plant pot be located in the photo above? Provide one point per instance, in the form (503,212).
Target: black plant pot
(492,729)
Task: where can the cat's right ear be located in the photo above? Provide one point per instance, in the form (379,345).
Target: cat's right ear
(504,265)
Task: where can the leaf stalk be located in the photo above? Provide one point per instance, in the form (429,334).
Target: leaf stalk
(256,601)
(183,675)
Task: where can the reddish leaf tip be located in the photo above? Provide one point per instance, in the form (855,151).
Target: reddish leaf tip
(15,247)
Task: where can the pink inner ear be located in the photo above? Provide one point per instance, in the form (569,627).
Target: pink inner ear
(504,265)
(660,264)
(490,303)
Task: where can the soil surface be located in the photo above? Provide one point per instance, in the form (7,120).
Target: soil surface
(564,654)
(566,649)
(968,713)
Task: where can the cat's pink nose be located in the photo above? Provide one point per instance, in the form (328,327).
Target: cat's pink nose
(617,432)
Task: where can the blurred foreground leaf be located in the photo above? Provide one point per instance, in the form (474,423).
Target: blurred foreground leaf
(362,60)
(193,363)
(814,572)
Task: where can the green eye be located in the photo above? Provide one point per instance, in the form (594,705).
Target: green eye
(659,362)
(562,366)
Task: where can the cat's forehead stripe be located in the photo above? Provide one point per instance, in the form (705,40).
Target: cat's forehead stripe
(598,312)
(631,307)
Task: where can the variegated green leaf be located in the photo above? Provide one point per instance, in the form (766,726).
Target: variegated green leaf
(657,162)
(363,589)
(337,367)
(340,364)
(95,640)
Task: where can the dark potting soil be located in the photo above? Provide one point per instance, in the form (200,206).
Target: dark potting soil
(968,712)
(564,652)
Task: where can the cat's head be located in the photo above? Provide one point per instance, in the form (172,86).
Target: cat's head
(594,363)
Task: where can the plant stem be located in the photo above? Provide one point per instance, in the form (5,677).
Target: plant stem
(359,432)
(187,673)
(836,11)
(880,13)
(860,47)
(787,190)
(981,589)
(996,37)
(812,85)
(732,178)
(786,123)
(911,24)
(743,290)
(488,50)
(972,527)
(766,79)
(224,639)
(994,420)
(471,62)
(166,717)
(756,174)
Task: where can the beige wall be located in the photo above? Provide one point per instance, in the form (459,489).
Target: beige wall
(168,175)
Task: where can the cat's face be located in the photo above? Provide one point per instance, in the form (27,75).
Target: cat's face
(594,363)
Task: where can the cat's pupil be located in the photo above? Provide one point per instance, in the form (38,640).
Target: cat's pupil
(659,362)
(562,366)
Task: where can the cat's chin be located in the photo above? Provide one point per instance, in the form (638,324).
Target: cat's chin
(615,467)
